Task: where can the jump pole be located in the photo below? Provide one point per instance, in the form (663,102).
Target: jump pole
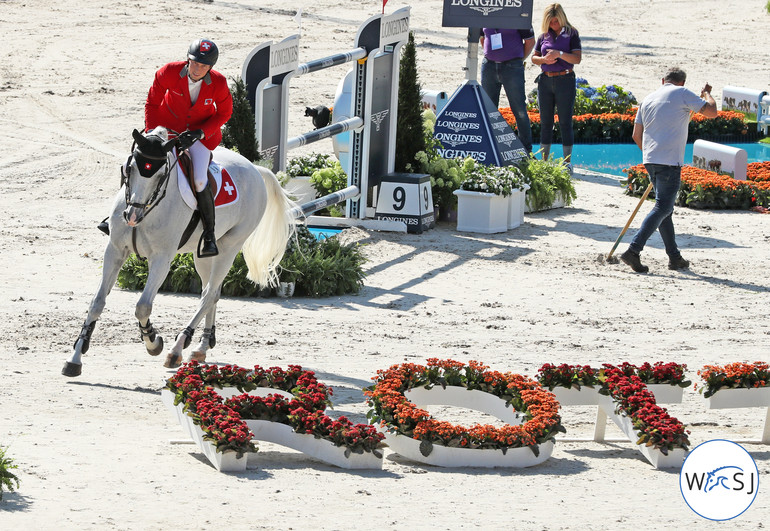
(269,68)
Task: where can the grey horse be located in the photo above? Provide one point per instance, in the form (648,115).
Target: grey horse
(150,217)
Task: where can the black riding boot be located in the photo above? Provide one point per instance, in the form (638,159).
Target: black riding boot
(206,209)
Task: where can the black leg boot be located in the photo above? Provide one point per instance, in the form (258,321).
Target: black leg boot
(208,244)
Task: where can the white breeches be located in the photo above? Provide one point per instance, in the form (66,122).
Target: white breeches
(200,156)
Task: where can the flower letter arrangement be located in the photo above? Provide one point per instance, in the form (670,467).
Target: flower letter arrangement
(738,385)
(629,395)
(531,414)
(286,407)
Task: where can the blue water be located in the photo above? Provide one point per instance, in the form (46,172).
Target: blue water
(614,158)
(321,233)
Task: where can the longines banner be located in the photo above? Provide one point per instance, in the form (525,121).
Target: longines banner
(503,14)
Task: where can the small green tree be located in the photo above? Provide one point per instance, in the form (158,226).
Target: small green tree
(409,133)
(240,130)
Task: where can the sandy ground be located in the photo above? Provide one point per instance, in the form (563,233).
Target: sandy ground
(94,453)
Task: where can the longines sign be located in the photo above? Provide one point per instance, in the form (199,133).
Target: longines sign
(511,14)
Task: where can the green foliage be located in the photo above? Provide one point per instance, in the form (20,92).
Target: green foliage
(491,179)
(546,178)
(324,268)
(239,133)
(133,275)
(7,478)
(767,6)
(446,175)
(330,179)
(318,268)
(409,133)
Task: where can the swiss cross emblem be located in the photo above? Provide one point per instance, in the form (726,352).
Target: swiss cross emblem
(205,46)
(148,166)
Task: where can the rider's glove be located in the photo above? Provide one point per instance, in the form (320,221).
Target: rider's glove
(188,138)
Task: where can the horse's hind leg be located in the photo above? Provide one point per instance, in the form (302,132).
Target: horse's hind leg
(113,260)
(212,272)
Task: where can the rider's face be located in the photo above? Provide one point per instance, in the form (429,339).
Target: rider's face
(198,70)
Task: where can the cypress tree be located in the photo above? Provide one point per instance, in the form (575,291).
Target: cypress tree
(409,133)
(240,131)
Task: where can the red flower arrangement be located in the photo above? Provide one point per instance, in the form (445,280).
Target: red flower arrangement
(656,428)
(734,376)
(395,413)
(222,421)
(575,376)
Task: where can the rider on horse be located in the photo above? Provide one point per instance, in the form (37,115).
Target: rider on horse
(189,96)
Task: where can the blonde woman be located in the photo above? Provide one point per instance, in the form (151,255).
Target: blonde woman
(557,51)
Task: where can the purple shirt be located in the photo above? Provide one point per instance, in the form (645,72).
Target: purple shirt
(566,41)
(513,43)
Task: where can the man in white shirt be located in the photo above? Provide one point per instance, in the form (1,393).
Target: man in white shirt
(660,131)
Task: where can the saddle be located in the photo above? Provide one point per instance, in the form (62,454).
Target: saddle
(185,164)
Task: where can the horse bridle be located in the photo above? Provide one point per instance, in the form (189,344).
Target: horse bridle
(162,183)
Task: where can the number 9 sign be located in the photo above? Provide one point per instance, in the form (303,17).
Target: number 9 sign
(406,197)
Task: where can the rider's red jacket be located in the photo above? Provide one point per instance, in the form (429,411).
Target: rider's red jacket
(168,103)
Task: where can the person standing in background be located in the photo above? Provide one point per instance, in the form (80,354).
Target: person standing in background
(557,50)
(503,67)
(660,131)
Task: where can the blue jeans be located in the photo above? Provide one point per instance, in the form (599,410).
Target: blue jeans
(556,94)
(665,181)
(510,75)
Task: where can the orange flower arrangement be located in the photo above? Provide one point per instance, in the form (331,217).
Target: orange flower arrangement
(734,376)
(398,415)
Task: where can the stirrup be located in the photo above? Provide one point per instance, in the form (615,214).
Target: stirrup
(207,247)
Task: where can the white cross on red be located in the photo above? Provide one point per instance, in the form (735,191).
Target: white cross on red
(229,188)
(205,45)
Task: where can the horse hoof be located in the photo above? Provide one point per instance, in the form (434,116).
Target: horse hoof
(173,361)
(198,356)
(72,369)
(157,350)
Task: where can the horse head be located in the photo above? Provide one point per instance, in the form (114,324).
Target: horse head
(146,173)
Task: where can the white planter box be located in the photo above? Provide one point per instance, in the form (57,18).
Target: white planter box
(666,393)
(466,457)
(222,461)
(302,189)
(462,397)
(585,396)
(320,449)
(558,202)
(516,205)
(675,457)
(481,212)
(739,398)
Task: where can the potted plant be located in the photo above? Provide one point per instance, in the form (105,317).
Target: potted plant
(296,178)
(736,385)
(484,203)
(550,183)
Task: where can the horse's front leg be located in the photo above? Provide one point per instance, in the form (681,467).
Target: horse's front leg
(113,260)
(158,271)
(208,338)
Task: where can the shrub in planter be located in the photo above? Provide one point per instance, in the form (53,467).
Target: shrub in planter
(318,269)
(239,133)
(546,179)
(328,180)
(491,179)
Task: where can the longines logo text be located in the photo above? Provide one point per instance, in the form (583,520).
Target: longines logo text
(457,115)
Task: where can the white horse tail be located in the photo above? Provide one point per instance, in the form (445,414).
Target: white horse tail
(264,248)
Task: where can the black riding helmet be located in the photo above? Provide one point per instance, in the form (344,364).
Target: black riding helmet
(203,51)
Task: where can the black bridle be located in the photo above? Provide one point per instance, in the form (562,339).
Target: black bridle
(160,189)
